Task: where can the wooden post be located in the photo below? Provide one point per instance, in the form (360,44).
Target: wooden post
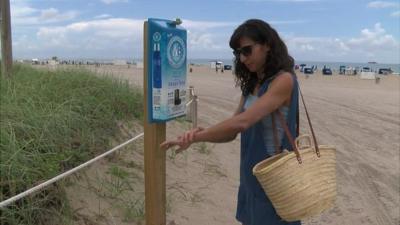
(6,47)
(154,157)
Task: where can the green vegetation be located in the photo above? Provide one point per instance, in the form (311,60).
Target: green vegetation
(51,121)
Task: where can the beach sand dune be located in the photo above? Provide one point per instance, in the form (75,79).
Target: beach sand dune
(359,117)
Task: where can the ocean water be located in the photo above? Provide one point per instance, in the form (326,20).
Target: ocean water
(333,65)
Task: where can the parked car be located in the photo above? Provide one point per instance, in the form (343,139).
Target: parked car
(227,67)
(308,70)
(385,71)
(366,69)
(326,71)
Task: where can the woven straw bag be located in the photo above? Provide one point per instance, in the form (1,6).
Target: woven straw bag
(302,183)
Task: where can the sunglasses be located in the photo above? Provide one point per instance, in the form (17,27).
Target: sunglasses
(245,51)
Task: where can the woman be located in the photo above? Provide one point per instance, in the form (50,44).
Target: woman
(264,72)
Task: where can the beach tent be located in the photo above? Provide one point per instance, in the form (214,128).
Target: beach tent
(342,70)
(216,64)
(350,71)
(367,75)
(35,61)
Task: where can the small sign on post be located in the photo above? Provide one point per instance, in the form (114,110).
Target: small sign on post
(165,99)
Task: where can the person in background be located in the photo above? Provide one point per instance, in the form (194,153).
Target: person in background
(264,72)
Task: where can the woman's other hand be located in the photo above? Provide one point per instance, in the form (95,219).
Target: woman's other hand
(183,141)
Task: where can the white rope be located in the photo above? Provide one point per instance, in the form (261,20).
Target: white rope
(189,102)
(69,172)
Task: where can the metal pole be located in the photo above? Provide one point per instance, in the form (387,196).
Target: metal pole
(194,111)
(6,46)
(189,114)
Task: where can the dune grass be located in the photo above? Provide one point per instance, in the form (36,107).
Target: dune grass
(51,121)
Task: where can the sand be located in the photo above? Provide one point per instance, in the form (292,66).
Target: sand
(361,118)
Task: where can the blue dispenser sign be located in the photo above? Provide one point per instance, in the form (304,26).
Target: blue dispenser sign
(166,69)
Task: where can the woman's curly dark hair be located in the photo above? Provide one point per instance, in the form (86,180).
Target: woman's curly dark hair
(278,57)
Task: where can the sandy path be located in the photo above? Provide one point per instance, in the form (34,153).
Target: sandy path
(358,116)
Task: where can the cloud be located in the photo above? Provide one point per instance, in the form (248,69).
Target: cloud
(53,15)
(123,38)
(113,1)
(204,37)
(372,43)
(294,1)
(382,4)
(205,25)
(385,4)
(395,14)
(113,37)
(279,22)
(20,11)
(374,40)
(114,28)
(199,41)
(313,46)
(24,15)
(210,38)
(103,16)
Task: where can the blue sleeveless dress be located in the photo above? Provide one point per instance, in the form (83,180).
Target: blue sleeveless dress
(253,206)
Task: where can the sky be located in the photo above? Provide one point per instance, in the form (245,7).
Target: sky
(313,30)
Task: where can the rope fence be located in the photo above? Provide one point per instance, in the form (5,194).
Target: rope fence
(67,173)
(191,116)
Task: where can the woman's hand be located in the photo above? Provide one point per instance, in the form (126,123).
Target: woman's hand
(183,141)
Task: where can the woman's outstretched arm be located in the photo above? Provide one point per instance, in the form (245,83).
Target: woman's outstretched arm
(277,95)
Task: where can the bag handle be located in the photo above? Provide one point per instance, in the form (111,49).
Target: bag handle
(289,135)
(309,123)
(301,146)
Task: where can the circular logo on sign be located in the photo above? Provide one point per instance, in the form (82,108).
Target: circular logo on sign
(176,52)
(156,36)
